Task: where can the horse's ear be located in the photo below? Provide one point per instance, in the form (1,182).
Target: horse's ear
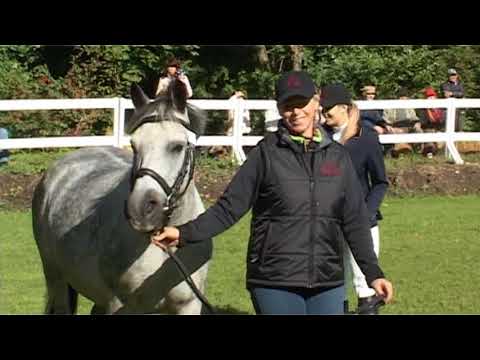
(139,98)
(177,92)
(197,120)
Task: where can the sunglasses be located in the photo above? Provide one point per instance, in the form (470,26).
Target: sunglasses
(371,93)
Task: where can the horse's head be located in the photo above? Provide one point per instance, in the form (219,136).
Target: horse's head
(162,131)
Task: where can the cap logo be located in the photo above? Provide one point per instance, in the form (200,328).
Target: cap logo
(293,82)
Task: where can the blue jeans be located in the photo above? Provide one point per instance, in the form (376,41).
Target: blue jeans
(297,301)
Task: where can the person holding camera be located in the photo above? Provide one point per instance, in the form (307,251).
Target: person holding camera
(173,70)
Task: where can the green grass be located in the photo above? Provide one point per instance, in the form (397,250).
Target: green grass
(32,162)
(429,249)
(37,161)
(22,287)
(221,166)
(408,161)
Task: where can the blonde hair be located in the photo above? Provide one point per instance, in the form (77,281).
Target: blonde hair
(318,115)
(353,123)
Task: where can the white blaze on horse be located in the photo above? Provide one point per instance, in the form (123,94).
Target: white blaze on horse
(93,212)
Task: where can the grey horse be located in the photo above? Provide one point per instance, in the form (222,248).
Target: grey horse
(93,212)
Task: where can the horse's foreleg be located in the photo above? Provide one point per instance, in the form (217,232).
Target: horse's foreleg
(182,300)
(194,307)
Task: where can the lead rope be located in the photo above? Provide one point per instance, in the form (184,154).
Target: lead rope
(181,267)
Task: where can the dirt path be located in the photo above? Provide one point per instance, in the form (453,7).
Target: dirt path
(16,189)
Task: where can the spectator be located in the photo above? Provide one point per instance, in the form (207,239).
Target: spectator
(219,150)
(343,123)
(402,121)
(173,70)
(4,154)
(372,118)
(453,87)
(432,120)
(246,128)
(305,200)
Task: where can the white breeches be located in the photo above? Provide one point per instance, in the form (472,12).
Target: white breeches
(353,271)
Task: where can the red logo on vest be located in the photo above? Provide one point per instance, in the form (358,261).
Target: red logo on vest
(329,168)
(293,82)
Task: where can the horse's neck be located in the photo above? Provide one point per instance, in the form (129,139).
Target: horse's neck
(190,205)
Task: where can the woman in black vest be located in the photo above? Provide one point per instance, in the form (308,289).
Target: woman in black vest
(305,198)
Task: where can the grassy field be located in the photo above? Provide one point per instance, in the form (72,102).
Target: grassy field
(31,162)
(407,161)
(429,249)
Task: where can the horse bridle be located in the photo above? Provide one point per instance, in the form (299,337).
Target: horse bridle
(173,193)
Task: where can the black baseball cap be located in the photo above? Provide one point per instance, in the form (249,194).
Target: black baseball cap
(294,83)
(334,94)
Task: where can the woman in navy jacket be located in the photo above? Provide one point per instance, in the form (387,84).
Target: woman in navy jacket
(343,123)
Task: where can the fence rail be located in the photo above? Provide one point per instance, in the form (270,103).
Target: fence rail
(237,140)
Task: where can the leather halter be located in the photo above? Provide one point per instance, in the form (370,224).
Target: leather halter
(173,193)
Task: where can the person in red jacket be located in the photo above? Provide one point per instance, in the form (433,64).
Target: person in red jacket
(432,120)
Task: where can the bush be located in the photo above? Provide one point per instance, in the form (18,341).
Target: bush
(31,72)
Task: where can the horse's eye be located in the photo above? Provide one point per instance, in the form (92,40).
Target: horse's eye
(177,148)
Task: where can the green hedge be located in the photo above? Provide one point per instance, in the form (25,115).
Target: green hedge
(47,72)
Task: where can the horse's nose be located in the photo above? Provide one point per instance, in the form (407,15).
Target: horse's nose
(150,206)
(145,210)
(151,203)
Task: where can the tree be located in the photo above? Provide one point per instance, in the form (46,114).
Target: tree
(297,56)
(215,72)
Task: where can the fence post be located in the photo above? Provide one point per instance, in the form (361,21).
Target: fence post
(237,130)
(121,120)
(118,117)
(450,130)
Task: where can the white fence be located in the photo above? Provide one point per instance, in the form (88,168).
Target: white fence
(237,140)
